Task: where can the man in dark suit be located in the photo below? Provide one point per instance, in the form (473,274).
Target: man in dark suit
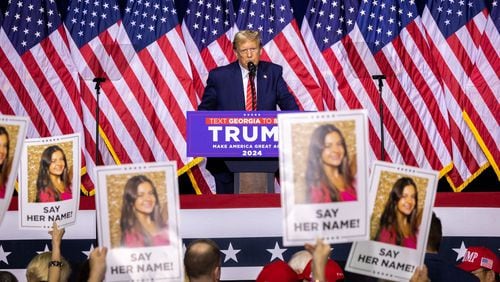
(229,88)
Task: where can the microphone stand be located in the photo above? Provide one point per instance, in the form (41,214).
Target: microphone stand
(380,78)
(98,81)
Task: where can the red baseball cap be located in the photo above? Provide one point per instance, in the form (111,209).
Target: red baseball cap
(477,257)
(333,271)
(277,271)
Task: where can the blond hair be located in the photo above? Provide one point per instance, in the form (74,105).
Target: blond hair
(246,35)
(38,268)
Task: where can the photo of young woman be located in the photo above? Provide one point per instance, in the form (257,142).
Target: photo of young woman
(4,160)
(328,174)
(399,223)
(142,222)
(54,178)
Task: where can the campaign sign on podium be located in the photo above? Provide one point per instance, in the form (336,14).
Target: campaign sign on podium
(232,134)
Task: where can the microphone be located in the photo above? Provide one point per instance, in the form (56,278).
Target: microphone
(252,68)
(378,76)
(99,79)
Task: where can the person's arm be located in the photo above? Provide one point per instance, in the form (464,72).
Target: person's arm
(97,264)
(420,275)
(320,253)
(55,263)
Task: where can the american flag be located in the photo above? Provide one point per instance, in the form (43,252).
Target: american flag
(414,112)
(326,28)
(283,45)
(87,25)
(5,85)
(148,86)
(385,40)
(40,79)
(323,28)
(208,29)
(454,31)
(156,89)
(484,117)
(486,263)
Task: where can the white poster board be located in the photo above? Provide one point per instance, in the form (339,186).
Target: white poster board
(12,134)
(49,177)
(323,172)
(138,220)
(401,201)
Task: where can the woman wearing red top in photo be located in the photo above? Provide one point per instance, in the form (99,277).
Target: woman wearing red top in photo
(329,177)
(399,221)
(142,223)
(4,160)
(54,182)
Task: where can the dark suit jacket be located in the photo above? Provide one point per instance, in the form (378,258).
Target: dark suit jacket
(225,90)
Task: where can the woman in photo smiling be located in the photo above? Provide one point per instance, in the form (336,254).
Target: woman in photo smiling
(329,177)
(54,182)
(399,221)
(142,223)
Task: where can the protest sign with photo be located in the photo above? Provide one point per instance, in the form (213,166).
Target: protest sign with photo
(323,171)
(401,200)
(12,135)
(138,220)
(49,178)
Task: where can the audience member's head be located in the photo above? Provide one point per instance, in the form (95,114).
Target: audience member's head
(202,260)
(481,262)
(6,276)
(38,268)
(435,235)
(83,272)
(94,268)
(277,271)
(299,260)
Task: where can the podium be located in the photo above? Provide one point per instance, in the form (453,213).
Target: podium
(261,170)
(246,142)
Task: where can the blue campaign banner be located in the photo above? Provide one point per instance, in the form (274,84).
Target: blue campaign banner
(232,134)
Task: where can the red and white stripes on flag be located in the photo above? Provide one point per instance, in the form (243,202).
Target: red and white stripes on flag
(39,78)
(90,43)
(348,54)
(148,86)
(454,32)
(414,116)
(156,88)
(208,50)
(483,90)
(331,48)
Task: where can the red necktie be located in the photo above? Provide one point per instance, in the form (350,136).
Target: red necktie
(249,104)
